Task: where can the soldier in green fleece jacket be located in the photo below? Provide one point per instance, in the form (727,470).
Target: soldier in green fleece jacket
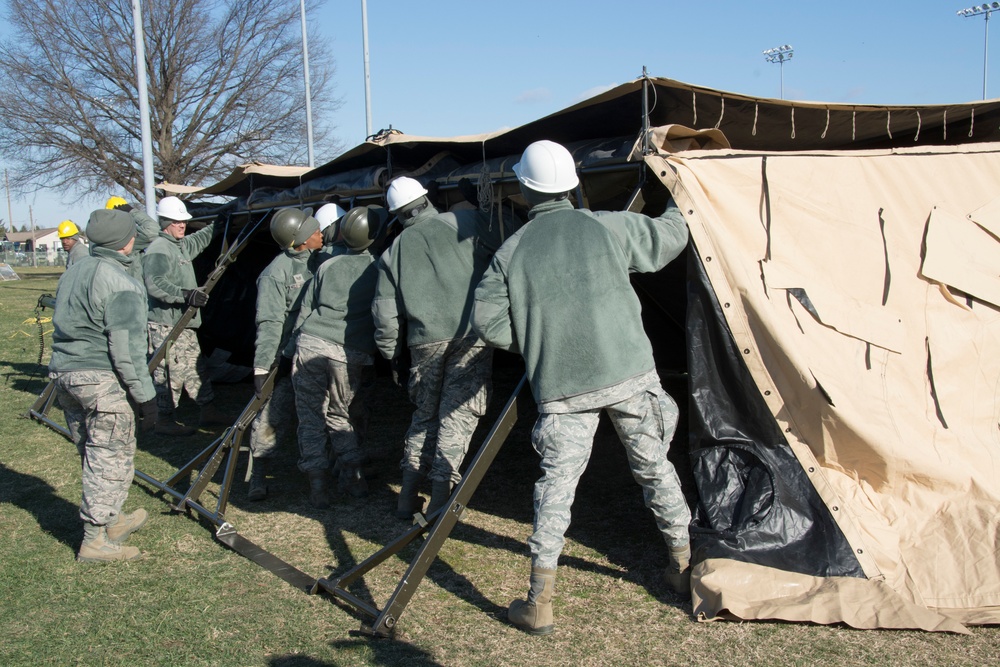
(99,363)
(279,297)
(334,360)
(172,287)
(442,256)
(558,293)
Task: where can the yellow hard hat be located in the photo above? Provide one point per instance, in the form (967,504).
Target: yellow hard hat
(67,229)
(114,202)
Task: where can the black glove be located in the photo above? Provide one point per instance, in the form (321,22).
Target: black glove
(400,372)
(124,207)
(147,416)
(194,297)
(284,368)
(258,383)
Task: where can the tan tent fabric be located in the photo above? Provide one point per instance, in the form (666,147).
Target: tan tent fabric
(886,384)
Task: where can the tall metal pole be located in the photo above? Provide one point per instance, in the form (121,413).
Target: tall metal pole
(10,215)
(780,54)
(146,134)
(986,9)
(986,47)
(34,246)
(305,72)
(368,80)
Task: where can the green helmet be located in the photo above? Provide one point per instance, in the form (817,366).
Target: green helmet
(362,225)
(291,227)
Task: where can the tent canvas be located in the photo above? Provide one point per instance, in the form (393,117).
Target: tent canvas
(842,333)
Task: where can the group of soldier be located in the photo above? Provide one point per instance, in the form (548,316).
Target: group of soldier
(448,289)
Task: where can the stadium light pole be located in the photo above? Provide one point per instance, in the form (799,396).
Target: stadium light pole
(780,54)
(985,10)
(368,78)
(145,133)
(305,74)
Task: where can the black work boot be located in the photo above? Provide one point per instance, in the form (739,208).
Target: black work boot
(409,502)
(351,480)
(318,496)
(258,480)
(440,493)
(534,615)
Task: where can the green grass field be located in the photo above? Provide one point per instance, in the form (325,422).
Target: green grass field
(192,601)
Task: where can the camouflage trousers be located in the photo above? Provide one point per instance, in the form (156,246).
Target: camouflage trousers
(102,424)
(645,424)
(450,385)
(332,399)
(276,418)
(183,368)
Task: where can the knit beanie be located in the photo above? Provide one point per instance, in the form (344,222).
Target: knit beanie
(111,229)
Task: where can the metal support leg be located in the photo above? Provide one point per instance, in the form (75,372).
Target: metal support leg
(439,525)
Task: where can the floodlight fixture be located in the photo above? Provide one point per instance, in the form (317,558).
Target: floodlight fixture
(984,10)
(780,54)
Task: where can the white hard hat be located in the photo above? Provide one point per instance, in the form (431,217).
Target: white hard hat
(328,214)
(172,208)
(548,167)
(402,191)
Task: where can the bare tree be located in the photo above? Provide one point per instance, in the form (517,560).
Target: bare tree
(225,88)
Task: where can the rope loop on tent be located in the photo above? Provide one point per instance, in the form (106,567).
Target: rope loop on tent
(972,122)
(793,122)
(888,122)
(854,124)
(722,111)
(944,124)
(918,125)
(694,106)
(823,136)
(756,106)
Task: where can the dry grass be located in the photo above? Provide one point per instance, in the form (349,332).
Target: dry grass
(191,601)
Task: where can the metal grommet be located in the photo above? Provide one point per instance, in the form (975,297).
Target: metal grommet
(746,351)
(788,430)
(690,211)
(663,173)
(860,551)
(811,469)
(708,259)
(727,305)
(835,508)
(767,392)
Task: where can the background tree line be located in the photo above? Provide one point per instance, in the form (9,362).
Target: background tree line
(225,88)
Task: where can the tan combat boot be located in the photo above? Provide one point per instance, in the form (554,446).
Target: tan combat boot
(125,525)
(96,547)
(534,615)
(678,572)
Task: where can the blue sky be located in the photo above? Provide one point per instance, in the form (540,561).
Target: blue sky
(449,67)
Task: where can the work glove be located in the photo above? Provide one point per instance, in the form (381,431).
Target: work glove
(259,379)
(194,297)
(147,416)
(284,368)
(124,207)
(400,372)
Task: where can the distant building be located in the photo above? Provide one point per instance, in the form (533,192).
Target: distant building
(46,240)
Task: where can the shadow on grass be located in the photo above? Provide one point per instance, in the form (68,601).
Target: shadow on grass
(55,515)
(375,651)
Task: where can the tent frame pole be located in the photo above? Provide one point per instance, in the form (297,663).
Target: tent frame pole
(438,527)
